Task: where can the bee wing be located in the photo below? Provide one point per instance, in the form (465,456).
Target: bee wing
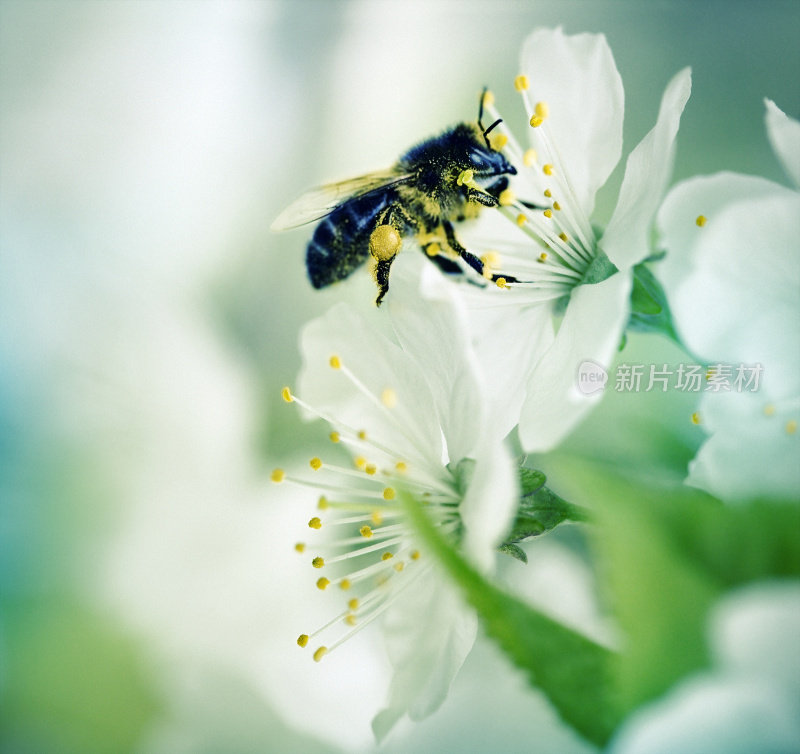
(319,202)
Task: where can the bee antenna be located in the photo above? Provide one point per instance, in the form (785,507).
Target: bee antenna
(480,108)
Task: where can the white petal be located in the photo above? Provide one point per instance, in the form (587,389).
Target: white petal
(490,503)
(577,76)
(590,332)
(784,135)
(647,173)
(428,633)
(411,426)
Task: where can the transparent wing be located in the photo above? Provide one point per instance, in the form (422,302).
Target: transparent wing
(321,201)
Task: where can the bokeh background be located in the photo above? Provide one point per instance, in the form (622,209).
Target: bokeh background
(149,318)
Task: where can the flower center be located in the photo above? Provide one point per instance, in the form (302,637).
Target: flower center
(362,541)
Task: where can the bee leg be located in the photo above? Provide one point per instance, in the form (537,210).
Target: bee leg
(468,257)
(382,278)
(481,197)
(498,187)
(447,266)
(384,243)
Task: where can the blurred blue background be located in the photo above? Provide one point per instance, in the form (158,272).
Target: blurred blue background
(149,319)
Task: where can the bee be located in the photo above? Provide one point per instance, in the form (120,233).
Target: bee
(431,186)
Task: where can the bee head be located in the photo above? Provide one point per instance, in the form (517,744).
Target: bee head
(485,161)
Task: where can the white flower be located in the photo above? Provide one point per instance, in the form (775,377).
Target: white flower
(408,415)
(732,274)
(749,701)
(574,100)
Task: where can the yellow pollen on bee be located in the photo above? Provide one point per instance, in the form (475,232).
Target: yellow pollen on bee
(488,98)
(700,221)
(415,555)
(498,141)
(465,177)
(350,619)
(315,523)
(335,362)
(564,237)
(286,394)
(376,518)
(385,242)
(335,437)
(529,158)
(542,110)
(536,121)
(300,547)
(548,193)
(521,83)
(387,556)
(318,562)
(548,213)
(322,503)
(695,418)
(433,249)
(345,584)
(322,583)
(360,462)
(547,169)
(399,566)
(506,197)
(556,206)
(353,603)
(542,257)
(388,493)
(315,463)
(365,531)
(302,640)
(521,219)
(389,398)
(319,653)
(501,283)
(362,434)
(791,427)
(277,475)
(371,469)
(769,410)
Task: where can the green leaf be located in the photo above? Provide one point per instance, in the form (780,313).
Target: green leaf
(515,551)
(649,307)
(600,268)
(573,671)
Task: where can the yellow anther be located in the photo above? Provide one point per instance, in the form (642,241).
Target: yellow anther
(353,603)
(542,110)
(302,640)
(695,418)
(360,462)
(547,169)
(700,221)
(556,206)
(491,259)
(791,427)
(548,213)
(335,436)
(277,475)
(506,197)
(521,219)
(345,584)
(387,556)
(286,394)
(300,547)
(564,237)
(315,523)
(498,140)
(433,249)
(399,566)
(389,493)
(319,653)
(529,158)
(385,242)
(315,463)
(488,98)
(465,177)
(536,121)
(769,410)
(371,469)
(335,362)
(350,619)
(362,434)
(318,562)
(366,531)
(322,583)
(501,283)
(389,398)
(542,257)
(415,555)
(377,518)
(521,83)
(322,503)
(548,193)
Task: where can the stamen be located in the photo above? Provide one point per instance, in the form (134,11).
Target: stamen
(322,583)
(529,158)
(556,206)
(791,427)
(277,475)
(315,523)
(335,437)
(344,584)
(542,110)
(315,463)
(300,547)
(318,562)
(521,219)
(319,653)
(286,394)
(548,213)
(322,503)
(700,221)
(389,493)
(521,82)
(506,197)
(302,640)
(366,532)
(548,193)
(498,140)
(335,362)
(547,169)
(488,98)
(769,409)
(389,398)
(536,121)
(501,283)
(695,418)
